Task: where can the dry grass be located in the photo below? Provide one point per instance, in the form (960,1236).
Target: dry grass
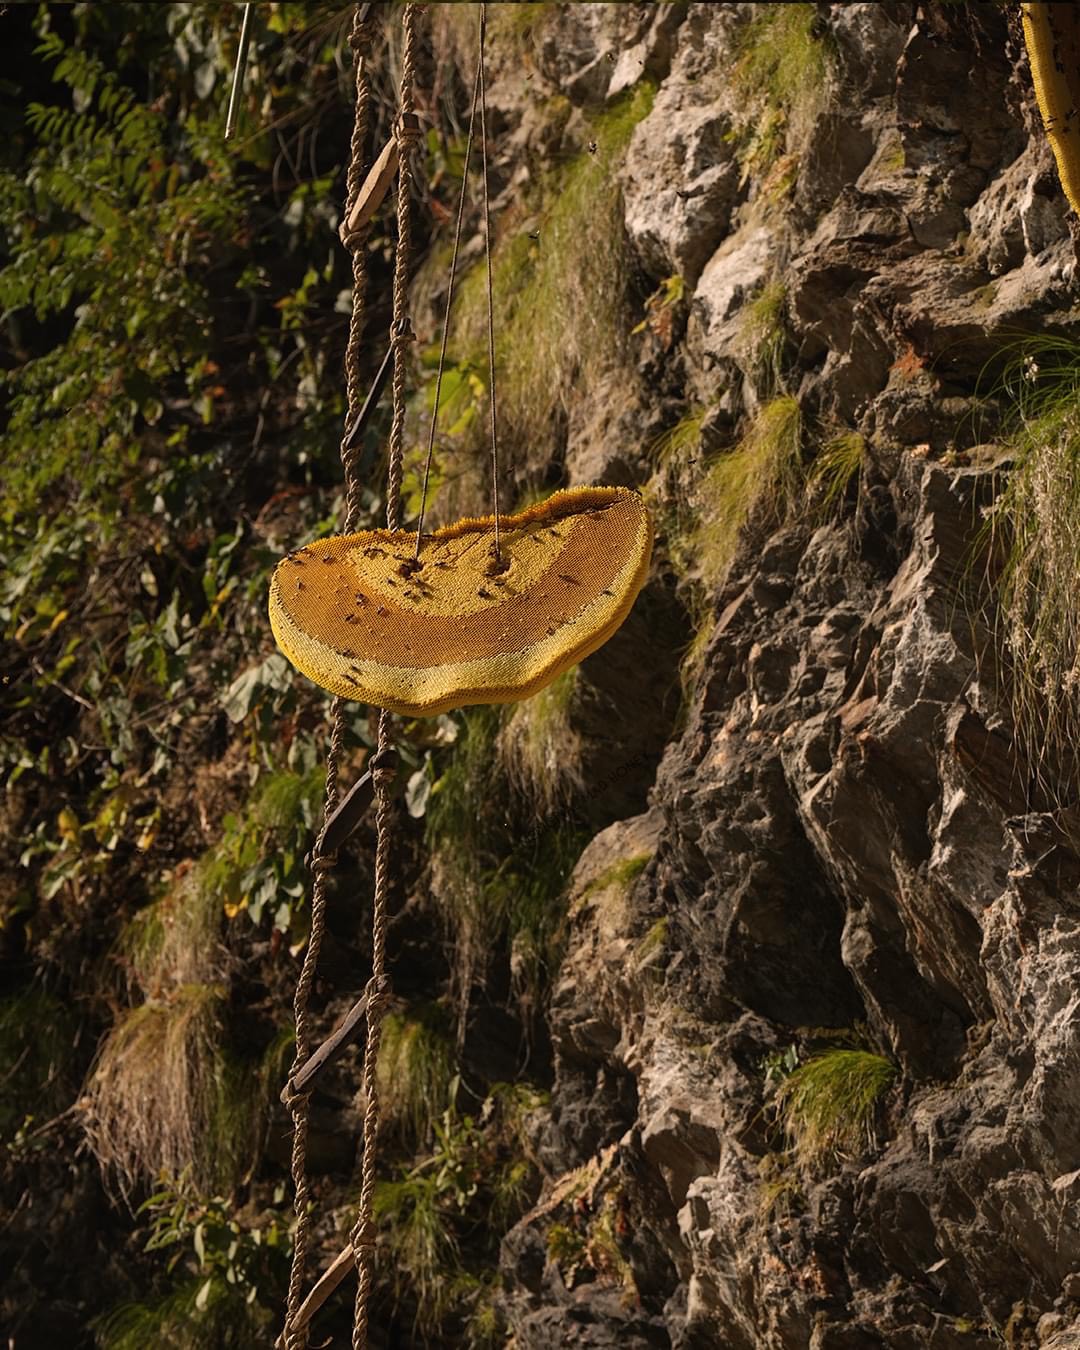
(176,941)
(164,1093)
(1035,536)
(155,1095)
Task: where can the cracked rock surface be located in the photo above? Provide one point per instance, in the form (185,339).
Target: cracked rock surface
(841,836)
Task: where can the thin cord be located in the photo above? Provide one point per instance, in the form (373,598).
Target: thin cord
(350,453)
(490,297)
(446,318)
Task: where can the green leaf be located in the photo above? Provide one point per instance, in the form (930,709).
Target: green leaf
(418,792)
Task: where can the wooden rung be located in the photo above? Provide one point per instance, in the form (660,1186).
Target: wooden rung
(375,186)
(331,1048)
(373,190)
(324,1286)
(347,815)
(349,812)
(363,417)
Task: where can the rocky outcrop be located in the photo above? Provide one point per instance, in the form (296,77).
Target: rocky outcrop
(843,838)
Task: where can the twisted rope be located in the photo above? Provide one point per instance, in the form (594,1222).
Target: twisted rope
(296,1338)
(359,39)
(407,134)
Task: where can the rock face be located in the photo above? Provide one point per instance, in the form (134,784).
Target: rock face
(842,839)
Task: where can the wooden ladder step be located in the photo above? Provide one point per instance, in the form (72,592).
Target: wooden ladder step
(375,186)
(323,1287)
(338,1041)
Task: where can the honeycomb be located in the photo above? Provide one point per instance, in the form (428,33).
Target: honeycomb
(357,615)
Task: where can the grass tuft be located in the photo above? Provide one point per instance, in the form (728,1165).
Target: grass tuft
(416,1069)
(651,946)
(425,1247)
(161,1097)
(827,1105)
(498,876)
(840,460)
(562,312)
(285,796)
(621,874)
(1035,530)
(781,76)
(539,751)
(679,443)
(758,476)
(514,32)
(677,452)
(176,940)
(779,1187)
(472,1186)
(763,337)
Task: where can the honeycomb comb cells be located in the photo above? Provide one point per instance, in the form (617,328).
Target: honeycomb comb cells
(358,616)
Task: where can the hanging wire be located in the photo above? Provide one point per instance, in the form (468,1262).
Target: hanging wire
(479,95)
(490,289)
(446,317)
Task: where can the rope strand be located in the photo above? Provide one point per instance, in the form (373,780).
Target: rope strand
(296,1338)
(350,454)
(363,1234)
(406,133)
